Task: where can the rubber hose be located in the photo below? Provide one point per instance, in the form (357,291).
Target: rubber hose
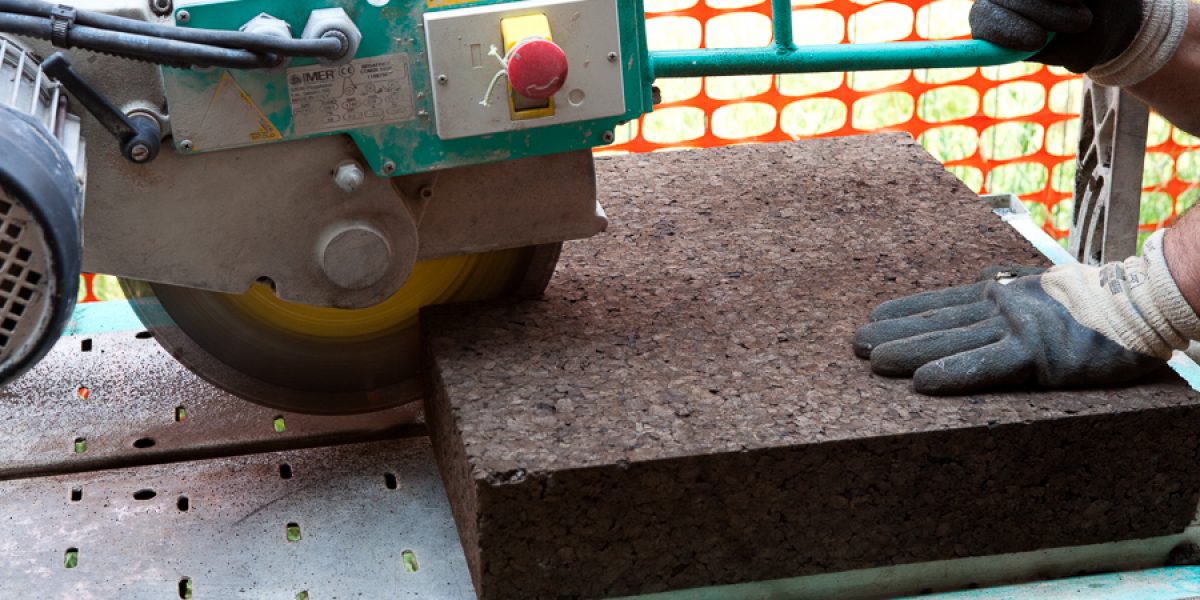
(156,50)
(317,48)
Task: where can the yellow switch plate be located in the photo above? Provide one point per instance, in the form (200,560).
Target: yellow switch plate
(513,30)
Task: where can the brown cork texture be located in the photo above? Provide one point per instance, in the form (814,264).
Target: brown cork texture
(683,409)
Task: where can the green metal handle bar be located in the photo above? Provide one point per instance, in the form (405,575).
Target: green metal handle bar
(784,56)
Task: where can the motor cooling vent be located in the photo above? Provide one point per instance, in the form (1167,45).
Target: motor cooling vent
(42,175)
(25,287)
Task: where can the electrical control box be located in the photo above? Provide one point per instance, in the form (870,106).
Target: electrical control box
(466,50)
(413,97)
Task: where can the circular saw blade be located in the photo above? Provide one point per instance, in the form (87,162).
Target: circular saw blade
(322,360)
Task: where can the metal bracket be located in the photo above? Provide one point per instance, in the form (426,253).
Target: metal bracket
(1108,176)
(139,136)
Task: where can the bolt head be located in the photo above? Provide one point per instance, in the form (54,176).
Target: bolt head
(349,176)
(442,79)
(612,57)
(186,145)
(183,16)
(139,153)
(389,167)
(608,137)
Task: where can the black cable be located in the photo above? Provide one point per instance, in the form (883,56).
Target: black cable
(156,50)
(263,44)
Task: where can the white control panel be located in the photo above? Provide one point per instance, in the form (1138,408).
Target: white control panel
(463,65)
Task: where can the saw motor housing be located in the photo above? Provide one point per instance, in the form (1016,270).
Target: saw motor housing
(330,180)
(326,179)
(42,178)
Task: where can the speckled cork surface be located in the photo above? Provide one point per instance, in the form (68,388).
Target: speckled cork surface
(683,408)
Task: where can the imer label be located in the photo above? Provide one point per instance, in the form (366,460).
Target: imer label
(368,91)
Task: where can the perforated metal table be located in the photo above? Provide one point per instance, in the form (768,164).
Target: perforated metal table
(125,476)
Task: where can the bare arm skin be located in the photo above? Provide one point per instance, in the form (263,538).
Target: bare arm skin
(1174,91)
(1182,249)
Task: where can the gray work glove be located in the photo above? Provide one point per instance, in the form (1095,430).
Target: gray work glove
(1071,326)
(1117,42)
(1089,32)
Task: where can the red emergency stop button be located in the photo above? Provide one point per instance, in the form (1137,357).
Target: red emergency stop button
(537,68)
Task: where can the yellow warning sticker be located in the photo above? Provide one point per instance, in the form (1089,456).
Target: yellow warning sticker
(233,119)
(443,3)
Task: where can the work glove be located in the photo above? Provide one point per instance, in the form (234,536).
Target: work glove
(1071,326)
(1116,42)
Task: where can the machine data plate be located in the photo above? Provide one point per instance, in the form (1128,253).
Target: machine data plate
(368,91)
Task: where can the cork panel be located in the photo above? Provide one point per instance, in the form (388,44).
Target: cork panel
(683,408)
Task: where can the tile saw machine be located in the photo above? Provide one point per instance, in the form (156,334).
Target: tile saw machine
(282,184)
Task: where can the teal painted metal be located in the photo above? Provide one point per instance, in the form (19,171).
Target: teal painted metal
(103,317)
(784,40)
(414,147)
(397,28)
(1171,583)
(834,57)
(784,56)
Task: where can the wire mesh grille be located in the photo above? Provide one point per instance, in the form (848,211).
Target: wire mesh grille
(24,285)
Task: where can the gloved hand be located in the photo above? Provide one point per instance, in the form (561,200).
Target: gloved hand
(1071,326)
(1090,35)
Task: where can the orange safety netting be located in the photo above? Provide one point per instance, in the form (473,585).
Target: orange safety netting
(1011,129)
(1046,111)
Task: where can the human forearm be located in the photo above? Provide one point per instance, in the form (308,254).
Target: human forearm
(1174,90)
(1181,246)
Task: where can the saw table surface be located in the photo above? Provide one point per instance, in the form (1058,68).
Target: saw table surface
(683,408)
(686,333)
(122,475)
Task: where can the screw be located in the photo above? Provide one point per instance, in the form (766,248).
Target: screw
(612,57)
(160,7)
(608,137)
(389,167)
(424,114)
(442,79)
(183,16)
(426,192)
(139,153)
(186,145)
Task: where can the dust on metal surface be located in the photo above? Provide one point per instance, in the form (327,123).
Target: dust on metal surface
(1172,583)
(89,511)
(117,399)
(365,520)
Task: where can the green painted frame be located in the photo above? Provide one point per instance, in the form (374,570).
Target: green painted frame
(414,147)
(411,146)
(784,56)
